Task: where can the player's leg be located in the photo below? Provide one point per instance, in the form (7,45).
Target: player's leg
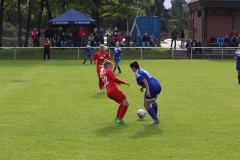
(115,66)
(119,69)
(150,110)
(238,71)
(86,58)
(100,81)
(48,54)
(90,59)
(155,106)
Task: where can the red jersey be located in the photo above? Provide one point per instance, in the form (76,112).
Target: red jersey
(34,35)
(80,32)
(46,45)
(119,38)
(100,57)
(110,80)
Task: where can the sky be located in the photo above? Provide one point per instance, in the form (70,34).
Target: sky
(167,4)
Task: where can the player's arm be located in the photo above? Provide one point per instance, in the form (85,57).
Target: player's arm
(121,56)
(108,57)
(95,58)
(113,55)
(116,80)
(147,87)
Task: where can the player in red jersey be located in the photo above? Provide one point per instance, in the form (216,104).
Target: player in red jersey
(110,82)
(98,59)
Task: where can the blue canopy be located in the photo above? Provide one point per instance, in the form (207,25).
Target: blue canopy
(71,17)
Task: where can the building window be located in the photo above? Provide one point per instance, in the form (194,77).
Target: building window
(199,13)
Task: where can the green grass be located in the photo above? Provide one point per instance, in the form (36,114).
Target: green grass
(52,110)
(72,54)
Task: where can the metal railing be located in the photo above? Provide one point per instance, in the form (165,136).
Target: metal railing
(206,51)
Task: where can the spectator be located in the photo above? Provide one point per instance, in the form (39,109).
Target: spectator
(220,41)
(233,34)
(53,32)
(152,40)
(39,36)
(47,33)
(70,40)
(127,39)
(60,32)
(63,40)
(35,37)
(68,32)
(56,40)
(91,39)
(75,35)
(145,40)
(213,39)
(46,45)
(111,40)
(182,36)
(226,41)
(174,35)
(189,46)
(238,39)
(97,40)
(138,40)
(120,39)
(115,32)
(198,44)
(108,33)
(80,33)
(95,31)
(101,34)
(83,40)
(234,41)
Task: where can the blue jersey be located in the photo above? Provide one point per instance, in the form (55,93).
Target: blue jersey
(237,53)
(117,54)
(154,86)
(88,51)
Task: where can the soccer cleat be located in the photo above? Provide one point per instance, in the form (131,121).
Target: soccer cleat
(116,118)
(155,121)
(100,90)
(120,122)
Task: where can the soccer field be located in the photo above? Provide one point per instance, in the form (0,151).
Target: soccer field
(51,109)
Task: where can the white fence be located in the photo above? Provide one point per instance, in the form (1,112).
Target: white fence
(211,52)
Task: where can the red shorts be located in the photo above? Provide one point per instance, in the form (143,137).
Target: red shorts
(116,95)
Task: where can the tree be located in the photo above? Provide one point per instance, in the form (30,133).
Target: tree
(29,9)
(1,21)
(19,23)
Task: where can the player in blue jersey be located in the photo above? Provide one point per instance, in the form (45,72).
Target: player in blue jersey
(153,89)
(237,57)
(88,53)
(117,57)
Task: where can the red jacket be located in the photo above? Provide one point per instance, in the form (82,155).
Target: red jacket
(46,45)
(34,35)
(119,38)
(127,38)
(80,32)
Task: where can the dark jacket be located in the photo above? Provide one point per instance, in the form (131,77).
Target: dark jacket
(182,35)
(174,33)
(146,39)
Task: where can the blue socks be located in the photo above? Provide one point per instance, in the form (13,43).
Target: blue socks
(151,112)
(91,60)
(238,79)
(114,69)
(119,70)
(155,107)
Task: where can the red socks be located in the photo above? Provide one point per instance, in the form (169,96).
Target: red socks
(122,111)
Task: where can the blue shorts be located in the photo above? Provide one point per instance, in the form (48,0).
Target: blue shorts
(154,91)
(117,59)
(88,55)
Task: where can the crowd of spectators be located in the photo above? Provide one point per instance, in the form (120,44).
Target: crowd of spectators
(71,37)
(221,41)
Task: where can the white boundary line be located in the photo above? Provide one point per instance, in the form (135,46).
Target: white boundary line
(24,78)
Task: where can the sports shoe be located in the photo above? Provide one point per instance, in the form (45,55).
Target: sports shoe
(155,121)
(116,118)
(100,90)
(120,122)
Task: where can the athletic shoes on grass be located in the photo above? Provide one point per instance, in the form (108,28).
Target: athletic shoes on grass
(120,122)
(116,118)
(155,121)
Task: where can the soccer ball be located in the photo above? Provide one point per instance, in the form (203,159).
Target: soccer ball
(141,113)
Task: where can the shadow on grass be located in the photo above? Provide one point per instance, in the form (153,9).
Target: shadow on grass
(110,129)
(98,95)
(148,131)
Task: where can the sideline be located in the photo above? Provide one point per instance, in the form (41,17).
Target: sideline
(26,77)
